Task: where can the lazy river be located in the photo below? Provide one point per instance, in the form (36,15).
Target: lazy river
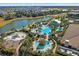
(17,24)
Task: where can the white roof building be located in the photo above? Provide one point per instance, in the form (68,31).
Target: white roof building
(57,21)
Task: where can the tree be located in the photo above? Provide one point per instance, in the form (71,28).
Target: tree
(8,51)
(42,42)
(24,50)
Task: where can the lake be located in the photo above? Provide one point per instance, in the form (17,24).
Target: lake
(18,24)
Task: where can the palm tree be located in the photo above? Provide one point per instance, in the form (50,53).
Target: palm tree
(42,42)
(26,46)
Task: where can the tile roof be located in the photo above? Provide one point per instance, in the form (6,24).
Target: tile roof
(72,34)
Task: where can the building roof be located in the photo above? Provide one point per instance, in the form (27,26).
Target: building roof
(73,13)
(74,41)
(72,34)
(56,21)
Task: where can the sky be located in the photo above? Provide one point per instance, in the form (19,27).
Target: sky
(39,4)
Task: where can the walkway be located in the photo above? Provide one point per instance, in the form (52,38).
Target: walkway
(55,48)
(17,50)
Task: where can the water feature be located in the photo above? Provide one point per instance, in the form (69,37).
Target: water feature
(17,24)
(45,29)
(46,46)
(59,28)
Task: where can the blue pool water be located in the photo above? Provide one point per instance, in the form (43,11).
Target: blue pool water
(19,24)
(59,29)
(42,47)
(45,29)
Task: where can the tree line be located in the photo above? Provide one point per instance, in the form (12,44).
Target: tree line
(29,13)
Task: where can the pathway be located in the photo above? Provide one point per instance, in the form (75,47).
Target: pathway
(55,48)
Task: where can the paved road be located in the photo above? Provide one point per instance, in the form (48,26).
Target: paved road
(17,50)
(55,48)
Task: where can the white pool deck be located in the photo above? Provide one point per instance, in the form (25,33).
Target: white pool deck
(16,36)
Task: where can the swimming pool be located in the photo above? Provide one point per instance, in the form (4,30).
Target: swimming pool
(45,29)
(59,28)
(46,46)
(42,29)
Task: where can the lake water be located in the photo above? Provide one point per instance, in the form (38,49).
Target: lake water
(17,24)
